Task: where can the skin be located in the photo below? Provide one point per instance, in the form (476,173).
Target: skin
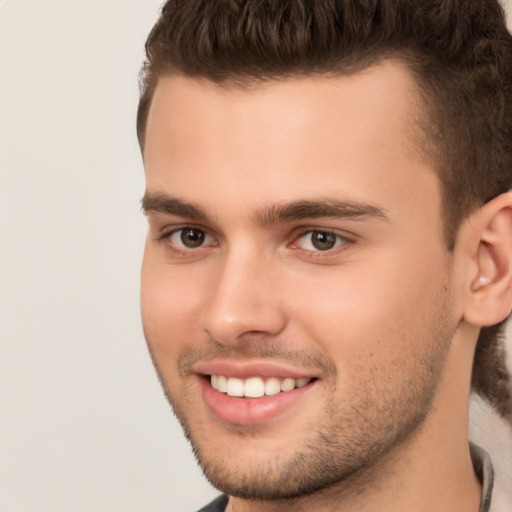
(380,319)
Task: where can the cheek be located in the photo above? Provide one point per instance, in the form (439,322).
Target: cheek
(170,306)
(377,311)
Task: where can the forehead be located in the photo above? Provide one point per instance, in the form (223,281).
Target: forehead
(383,92)
(354,136)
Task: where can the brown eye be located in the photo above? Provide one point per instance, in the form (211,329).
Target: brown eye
(323,241)
(316,240)
(192,238)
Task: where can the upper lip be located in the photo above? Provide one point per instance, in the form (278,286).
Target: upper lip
(244,370)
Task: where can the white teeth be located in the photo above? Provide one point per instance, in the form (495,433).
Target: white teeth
(235,387)
(302,382)
(222,384)
(255,387)
(287,384)
(272,386)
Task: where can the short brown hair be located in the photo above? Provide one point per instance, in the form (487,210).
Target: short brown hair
(459,51)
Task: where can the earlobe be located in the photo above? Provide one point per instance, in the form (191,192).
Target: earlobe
(490,283)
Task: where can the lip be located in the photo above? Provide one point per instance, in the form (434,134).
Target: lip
(244,370)
(250,411)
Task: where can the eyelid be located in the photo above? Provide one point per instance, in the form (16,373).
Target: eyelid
(170,228)
(168,232)
(344,239)
(341,237)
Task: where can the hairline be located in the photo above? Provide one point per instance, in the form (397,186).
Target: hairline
(421,138)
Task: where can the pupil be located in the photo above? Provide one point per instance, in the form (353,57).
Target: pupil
(323,241)
(192,237)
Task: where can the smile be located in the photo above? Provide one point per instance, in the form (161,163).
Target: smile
(255,387)
(254,392)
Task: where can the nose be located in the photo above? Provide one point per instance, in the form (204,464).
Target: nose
(243,301)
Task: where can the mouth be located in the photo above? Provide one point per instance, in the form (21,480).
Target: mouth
(256,387)
(251,394)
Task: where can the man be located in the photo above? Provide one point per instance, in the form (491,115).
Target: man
(330,240)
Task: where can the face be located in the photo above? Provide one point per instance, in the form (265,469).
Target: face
(296,290)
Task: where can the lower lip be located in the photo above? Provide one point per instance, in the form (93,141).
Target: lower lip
(250,411)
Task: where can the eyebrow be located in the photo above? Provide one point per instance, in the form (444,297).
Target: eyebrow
(285,212)
(161,203)
(319,208)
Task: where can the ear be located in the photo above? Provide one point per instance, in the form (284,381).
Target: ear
(488,244)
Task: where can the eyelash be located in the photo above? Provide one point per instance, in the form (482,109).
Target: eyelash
(168,236)
(341,241)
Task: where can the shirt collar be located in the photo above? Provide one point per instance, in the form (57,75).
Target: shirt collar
(485,473)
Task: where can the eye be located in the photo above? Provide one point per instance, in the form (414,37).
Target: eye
(317,240)
(189,238)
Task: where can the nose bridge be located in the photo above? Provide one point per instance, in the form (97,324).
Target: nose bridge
(242,299)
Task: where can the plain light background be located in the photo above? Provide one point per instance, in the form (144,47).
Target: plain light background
(83,422)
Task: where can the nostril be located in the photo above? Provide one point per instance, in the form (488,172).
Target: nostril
(236,312)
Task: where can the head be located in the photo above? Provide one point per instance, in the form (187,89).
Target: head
(451,63)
